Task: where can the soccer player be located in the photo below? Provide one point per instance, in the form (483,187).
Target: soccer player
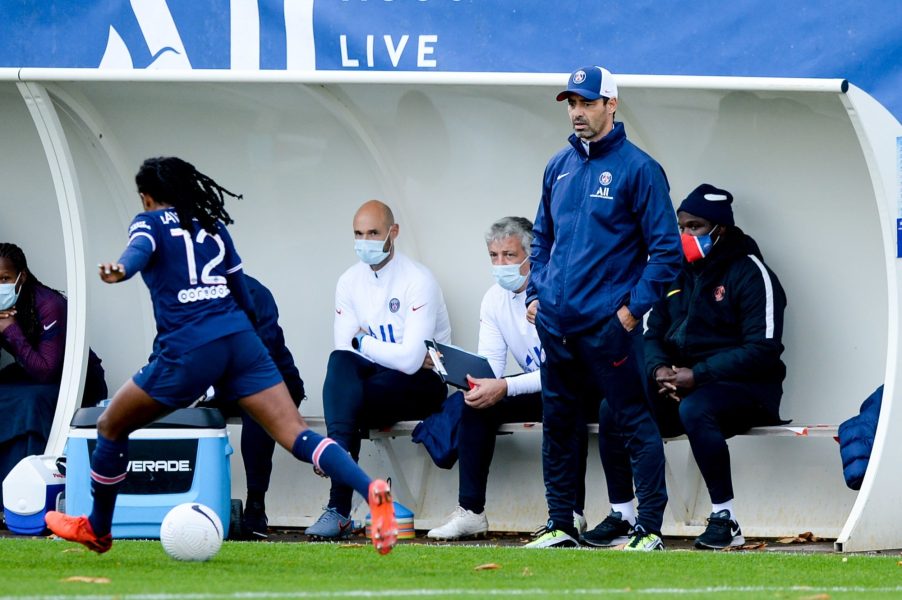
(201,305)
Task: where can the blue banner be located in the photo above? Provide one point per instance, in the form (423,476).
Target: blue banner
(859,41)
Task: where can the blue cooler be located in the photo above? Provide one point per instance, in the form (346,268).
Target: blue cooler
(183,457)
(31,489)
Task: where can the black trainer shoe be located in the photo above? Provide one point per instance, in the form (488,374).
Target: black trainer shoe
(613,531)
(254,524)
(721,532)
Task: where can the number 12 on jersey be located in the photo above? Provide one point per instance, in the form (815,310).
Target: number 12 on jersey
(202,236)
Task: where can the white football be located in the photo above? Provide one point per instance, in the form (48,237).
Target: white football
(192,532)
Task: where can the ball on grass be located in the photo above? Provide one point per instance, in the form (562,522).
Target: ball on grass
(191,532)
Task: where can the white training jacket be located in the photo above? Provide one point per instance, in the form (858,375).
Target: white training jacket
(502,327)
(401,306)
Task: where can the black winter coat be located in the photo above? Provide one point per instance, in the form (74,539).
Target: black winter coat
(722,316)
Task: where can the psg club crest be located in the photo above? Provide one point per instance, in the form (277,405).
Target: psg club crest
(719,293)
(394,304)
(605,178)
(579,77)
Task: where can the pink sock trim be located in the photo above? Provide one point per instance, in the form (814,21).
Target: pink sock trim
(107,480)
(320,448)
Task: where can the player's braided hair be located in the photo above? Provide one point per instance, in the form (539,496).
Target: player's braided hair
(26,311)
(170,180)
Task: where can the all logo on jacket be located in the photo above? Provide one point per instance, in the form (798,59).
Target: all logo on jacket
(604,191)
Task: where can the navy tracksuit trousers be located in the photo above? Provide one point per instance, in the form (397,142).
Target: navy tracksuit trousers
(359,395)
(606,361)
(476,445)
(708,416)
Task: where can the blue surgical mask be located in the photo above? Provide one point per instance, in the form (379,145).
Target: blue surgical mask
(370,251)
(8,293)
(509,277)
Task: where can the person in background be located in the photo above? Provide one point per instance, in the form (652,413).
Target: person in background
(606,246)
(33,334)
(713,349)
(386,307)
(502,328)
(257,446)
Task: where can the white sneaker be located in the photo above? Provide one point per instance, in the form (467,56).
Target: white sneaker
(462,523)
(580,523)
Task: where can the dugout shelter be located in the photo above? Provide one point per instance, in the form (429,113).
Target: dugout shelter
(814,166)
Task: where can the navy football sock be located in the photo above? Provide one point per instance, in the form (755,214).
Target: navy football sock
(108,469)
(330,458)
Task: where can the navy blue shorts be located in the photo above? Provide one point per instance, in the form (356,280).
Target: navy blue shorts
(237,365)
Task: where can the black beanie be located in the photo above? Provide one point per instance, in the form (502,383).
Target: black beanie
(711,203)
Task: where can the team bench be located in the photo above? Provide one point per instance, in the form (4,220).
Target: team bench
(683,494)
(405,429)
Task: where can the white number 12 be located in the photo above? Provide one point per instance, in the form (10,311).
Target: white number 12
(205,276)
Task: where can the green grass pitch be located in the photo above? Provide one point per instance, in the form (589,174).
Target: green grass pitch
(243,570)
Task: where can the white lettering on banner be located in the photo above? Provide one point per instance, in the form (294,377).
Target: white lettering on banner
(423,50)
(426,45)
(157,466)
(345,61)
(394,53)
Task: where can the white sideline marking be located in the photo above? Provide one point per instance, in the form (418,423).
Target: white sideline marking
(472,592)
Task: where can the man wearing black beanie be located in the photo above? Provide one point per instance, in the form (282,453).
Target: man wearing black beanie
(712,352)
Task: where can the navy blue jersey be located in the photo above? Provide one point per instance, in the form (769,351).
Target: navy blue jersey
(188,275)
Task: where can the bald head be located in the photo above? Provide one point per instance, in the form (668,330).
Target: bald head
(375,211)
(374,221)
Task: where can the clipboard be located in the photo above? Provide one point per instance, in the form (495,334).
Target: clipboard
(455,364)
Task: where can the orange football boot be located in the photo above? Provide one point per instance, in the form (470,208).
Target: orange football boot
(78,529)
(382,510)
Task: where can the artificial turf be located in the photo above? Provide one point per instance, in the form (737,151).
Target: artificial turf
(52,568)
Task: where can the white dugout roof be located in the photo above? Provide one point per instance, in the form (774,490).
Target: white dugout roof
(814,166)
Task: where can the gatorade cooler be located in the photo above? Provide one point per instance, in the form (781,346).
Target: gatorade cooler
(403,515)
(183,457)
(31,489)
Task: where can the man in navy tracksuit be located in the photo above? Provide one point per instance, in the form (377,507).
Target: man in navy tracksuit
(606,246)
(713,349)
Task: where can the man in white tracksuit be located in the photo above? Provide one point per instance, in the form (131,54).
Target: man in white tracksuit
(386,306)
(503,328)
